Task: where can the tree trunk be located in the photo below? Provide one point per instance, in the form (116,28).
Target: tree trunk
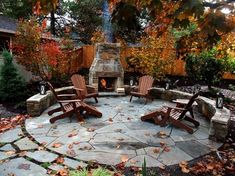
(53,23)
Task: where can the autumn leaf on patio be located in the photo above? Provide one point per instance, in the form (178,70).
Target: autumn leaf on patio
(72,134)
(59,160)
(10,152)
(90,129)
(184,166)
(167,149)
(156,150)
(124,158)
(71,153)
(57,145)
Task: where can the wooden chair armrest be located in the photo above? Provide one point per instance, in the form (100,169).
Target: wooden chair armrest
(78,89)
(175,108)
(66,95)
(90,87)
(69,101)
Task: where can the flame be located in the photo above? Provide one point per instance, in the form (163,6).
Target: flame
(103,83)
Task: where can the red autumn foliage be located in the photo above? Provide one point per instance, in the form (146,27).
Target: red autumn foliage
(43,55)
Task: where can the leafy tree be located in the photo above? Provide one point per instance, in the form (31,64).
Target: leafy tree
(204,67)
(13,87)
(87,17)
(48,58)
(154,55)
(16,8)
(212,23)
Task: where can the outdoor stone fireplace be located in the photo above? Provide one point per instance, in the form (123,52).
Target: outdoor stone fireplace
(106,73)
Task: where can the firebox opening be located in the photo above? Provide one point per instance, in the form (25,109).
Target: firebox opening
(107,84)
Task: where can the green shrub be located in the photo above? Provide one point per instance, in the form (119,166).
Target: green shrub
(83,172)
(13,87)
(97,172)
(101,172)
(205,67)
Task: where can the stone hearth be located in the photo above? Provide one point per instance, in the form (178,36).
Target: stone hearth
(106,64)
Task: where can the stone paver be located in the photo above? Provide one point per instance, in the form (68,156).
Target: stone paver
(198,148)
(21,167)
(120,133)
(26,144)
(6,154)
(11,135)
(42,156)
(118,136)
(7,147)
(74,164)
(174,156)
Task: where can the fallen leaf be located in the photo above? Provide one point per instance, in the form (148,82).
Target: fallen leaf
(10,152)
(162,143)
(185,170)
(162,167)
(167,149)
(121,139)
(118,130)
(147,134)
(62,172)
(71,153)
(118,146)
(76,143)
(90,129)
(70,146)
(40,126)
(44,143)
(57,145)
(59,160)
(110,120)
(124,158)
(41,148)
(23,153)
(24,166)
(72,134)
(156,150)
(133,161)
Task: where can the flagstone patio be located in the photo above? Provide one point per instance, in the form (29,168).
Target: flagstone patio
(118,136)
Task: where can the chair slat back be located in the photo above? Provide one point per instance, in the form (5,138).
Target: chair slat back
(55,94)
(189,105)
(145,82)
(78,81)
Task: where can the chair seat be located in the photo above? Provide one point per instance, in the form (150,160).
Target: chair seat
(137,94)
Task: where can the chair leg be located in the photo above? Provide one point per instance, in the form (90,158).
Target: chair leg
(62,116)
(192,120)
(96,100)
(180,125)
(92,110)
(54,110)
(131,98)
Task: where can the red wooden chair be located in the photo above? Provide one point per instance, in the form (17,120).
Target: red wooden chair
(70,106)
(145,83)
(174,115)
(83,91)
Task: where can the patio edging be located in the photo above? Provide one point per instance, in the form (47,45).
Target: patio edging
(218,117)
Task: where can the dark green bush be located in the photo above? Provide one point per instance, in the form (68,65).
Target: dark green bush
(12,86)
(204,68)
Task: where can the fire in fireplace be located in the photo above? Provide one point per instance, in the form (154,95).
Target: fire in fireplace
(107,84)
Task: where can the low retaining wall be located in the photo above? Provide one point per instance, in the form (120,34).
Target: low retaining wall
(39,103)
(218,117)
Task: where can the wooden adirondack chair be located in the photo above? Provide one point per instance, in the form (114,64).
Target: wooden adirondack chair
(83,91)
(174,115)
(71,106)
(145,83)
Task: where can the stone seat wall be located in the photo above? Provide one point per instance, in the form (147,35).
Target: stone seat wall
(218,117)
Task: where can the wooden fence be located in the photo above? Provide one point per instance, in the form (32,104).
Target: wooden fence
(177,68)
